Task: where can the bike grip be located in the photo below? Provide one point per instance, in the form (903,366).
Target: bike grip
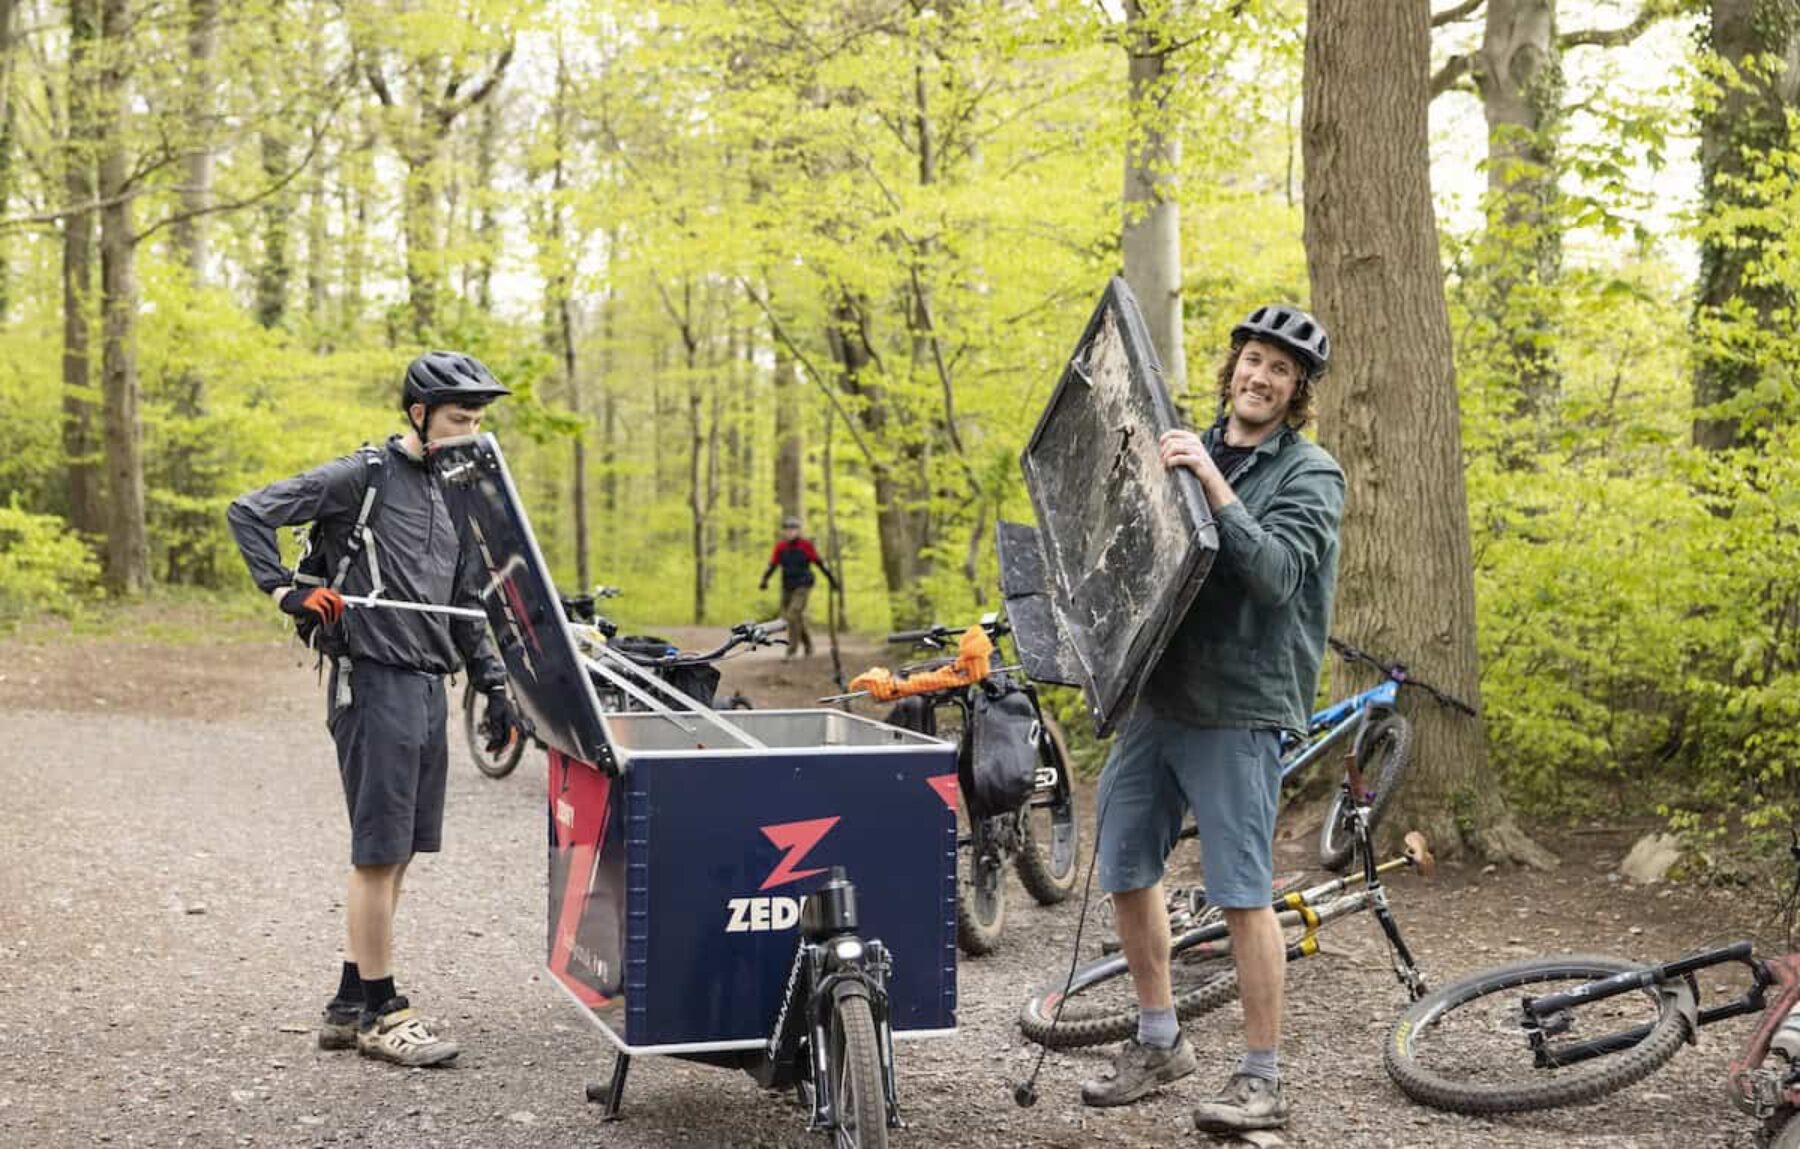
(778,626)
(912,635)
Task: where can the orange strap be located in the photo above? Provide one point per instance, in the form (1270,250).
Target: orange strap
(973,661)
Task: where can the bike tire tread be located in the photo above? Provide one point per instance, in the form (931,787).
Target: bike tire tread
(1038,1021)
(1608,1074)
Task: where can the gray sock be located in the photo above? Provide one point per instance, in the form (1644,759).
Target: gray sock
(1261,1063)
(1158,1028)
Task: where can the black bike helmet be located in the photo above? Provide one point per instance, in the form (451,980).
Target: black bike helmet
(439,377)
(1291,329)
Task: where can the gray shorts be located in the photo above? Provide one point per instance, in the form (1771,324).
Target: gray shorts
(393,758)
(1230,778)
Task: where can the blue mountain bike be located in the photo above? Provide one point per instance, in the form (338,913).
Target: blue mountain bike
(1377,743)
(1375,740)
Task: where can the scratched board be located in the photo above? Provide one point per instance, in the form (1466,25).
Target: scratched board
(1125,544)
(522,606)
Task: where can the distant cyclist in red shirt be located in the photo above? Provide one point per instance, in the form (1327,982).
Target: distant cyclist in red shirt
(796,556)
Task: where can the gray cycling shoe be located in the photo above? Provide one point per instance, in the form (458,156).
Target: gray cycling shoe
(1137,1070)
(1249,1102)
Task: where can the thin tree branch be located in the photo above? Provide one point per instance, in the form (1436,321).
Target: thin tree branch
(1450,75)
(1650,13)
(1458,12)
(293,173)
(378,82)
(800,357)
(486,87)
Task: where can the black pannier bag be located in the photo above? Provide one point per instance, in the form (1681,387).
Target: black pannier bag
(1000,756)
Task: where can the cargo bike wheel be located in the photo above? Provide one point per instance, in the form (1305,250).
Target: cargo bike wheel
(1049,836)
(981,883)
(853,1065)
(475,738)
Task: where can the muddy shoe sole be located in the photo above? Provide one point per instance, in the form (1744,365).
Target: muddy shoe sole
(440,1052)
(336,1036)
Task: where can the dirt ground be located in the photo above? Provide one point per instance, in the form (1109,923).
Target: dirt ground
(172,847)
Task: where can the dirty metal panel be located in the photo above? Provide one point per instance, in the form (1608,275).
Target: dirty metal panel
(1126,544)
(1044,650)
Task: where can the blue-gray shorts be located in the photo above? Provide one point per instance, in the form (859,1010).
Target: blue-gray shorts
(393,757)
(1230,778)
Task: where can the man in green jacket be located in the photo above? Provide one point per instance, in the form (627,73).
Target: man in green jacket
(1241,668)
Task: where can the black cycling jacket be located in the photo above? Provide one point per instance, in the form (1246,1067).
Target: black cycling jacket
(417,548)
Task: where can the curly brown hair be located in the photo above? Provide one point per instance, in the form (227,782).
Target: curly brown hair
(1299,412)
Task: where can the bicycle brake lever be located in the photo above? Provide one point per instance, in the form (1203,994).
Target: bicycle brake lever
(1418,852)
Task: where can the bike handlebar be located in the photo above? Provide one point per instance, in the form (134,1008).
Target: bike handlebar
(743,634)
(1396,672)
(938,632)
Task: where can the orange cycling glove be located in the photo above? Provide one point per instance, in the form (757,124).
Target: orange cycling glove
(322,601)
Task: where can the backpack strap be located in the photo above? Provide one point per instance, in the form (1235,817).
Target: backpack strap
(375,471)
(362,533)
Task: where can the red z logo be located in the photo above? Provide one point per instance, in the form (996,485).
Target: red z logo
(798,839)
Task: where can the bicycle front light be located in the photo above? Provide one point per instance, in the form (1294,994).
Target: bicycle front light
(848,951)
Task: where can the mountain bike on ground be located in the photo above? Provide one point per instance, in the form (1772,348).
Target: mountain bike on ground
(1375,741)
(1555,1031)
(1096,1003)
(995,716)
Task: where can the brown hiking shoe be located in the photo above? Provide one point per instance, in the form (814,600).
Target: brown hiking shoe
(399,1035)
(1137,1070)
(1248,1102)
(337,1029)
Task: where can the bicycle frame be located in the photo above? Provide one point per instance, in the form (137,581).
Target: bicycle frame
(1550,1014)
(1329,727)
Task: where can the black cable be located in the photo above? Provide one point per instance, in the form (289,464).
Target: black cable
(1025,1093)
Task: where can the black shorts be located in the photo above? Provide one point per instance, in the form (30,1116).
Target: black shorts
(393,758)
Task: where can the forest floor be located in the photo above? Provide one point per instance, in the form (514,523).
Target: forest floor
(172,847)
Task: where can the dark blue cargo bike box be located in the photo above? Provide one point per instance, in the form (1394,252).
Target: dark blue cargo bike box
(681,845)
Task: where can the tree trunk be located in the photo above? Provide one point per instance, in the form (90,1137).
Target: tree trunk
(424,275)
(1519,75)
(274,273)
(790,444)
(902,502)
(196,190)
(1389,411)
(8,10)
(1151,236)
(318,256)
(609,419)
(81,439)
(127,567)
(358,177)
(1746,124)
(696,502)
(487,145)
(739,453)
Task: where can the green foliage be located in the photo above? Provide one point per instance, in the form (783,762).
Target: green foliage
(42,566)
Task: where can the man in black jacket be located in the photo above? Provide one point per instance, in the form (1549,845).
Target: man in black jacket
(386,708)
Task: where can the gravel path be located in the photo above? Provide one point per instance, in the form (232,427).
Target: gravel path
(171,875)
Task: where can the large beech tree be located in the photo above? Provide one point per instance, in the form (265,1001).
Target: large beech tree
(1388,410)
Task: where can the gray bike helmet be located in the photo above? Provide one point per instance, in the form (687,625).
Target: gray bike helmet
(1291,329)
(439,377)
